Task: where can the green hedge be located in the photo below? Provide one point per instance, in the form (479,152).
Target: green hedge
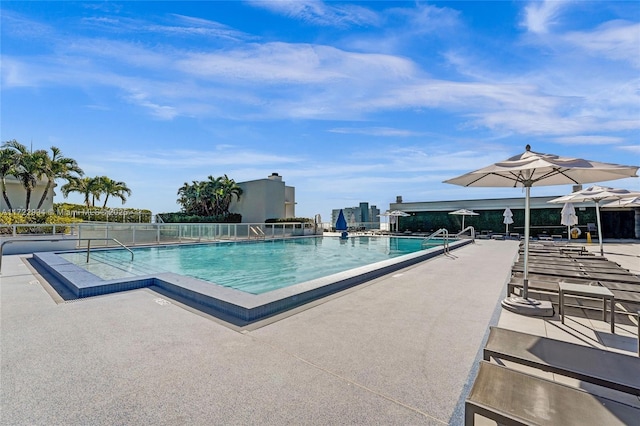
(615,224)
(34,218)
(98,214)
(290,220)
(187,218)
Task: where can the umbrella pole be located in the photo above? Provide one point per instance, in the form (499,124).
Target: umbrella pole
(599,227)
(525,285)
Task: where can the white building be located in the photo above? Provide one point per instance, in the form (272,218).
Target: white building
(18,196)
(264,199)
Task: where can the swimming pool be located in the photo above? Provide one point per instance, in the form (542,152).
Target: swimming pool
(255,267)
(236,307)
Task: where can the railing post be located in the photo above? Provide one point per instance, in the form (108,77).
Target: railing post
(158,233)
(88,249)
(133,235)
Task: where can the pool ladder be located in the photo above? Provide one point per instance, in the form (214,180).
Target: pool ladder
(26,240)
(445,237)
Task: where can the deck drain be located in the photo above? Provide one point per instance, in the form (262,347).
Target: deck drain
(396,275)
(34,282)
(162,302)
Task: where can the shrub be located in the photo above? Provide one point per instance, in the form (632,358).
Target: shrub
(34,218)
(180,217)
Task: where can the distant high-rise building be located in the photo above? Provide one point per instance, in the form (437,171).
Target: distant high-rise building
(361,216)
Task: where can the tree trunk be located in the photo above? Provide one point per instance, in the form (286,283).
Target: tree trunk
(5,196)
(44,194)
(28,201)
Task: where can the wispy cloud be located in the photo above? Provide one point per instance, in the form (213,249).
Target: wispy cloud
(375,131)
(541,15)
(617,40)
(589,140)
(320,13)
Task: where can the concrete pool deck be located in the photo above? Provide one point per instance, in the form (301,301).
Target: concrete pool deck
(400,349)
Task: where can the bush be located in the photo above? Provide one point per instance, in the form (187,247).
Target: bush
(34,218)
(180,217)
(98,214)
(290,220)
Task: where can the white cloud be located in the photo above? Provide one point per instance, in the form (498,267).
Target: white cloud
(541,15)
(617,40)
(320,13)
(589,140)
(375,131)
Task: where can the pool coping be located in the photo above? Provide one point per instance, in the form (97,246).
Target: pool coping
(234,306)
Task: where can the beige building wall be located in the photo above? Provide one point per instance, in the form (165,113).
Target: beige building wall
(18,196)
(264,199)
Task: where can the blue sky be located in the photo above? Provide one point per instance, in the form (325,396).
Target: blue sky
(348,101)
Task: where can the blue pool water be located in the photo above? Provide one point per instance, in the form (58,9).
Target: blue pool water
(256,267)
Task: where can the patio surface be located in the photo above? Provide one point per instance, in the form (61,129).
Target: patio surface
(401,349)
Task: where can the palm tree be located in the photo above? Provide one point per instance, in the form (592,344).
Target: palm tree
(8,163)
(110,187)
(226,191)
(89,187)
(59,167)
(30,167)
(208,198)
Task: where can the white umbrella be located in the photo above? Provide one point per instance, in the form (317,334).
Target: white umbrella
(535,169)
(596,194)
(508,219)
(392,215)
(568,218)
(463,213)
(623,202)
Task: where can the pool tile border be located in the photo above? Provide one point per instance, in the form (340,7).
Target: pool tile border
(234,306)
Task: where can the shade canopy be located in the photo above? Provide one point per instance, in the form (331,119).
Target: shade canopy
(463,213)
(536,169)
(392,215)
(596,194)
(508,219)
(508,216)
(623,202)
(341,223)
(568,215)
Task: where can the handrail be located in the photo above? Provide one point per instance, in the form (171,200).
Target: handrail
(26,240)
(468,228)
(106,239)
(445,233)
(258,232)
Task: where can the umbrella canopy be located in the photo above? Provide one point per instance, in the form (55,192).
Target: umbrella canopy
(392,215)
(568,218)
(463,213)
(508,219)
(341,223)
(536,169)
(623,202)
(568,215)
(596,194)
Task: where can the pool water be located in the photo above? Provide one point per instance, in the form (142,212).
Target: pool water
(255,267)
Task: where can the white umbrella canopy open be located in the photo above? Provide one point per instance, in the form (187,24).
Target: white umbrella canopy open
(392,215)
(508,219)
(623,202)
(536,169)
(596,194)
(463,213)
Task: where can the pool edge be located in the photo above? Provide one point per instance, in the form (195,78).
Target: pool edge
(230,305)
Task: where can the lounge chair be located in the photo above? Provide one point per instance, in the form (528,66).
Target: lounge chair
(598,366)
(512,397)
